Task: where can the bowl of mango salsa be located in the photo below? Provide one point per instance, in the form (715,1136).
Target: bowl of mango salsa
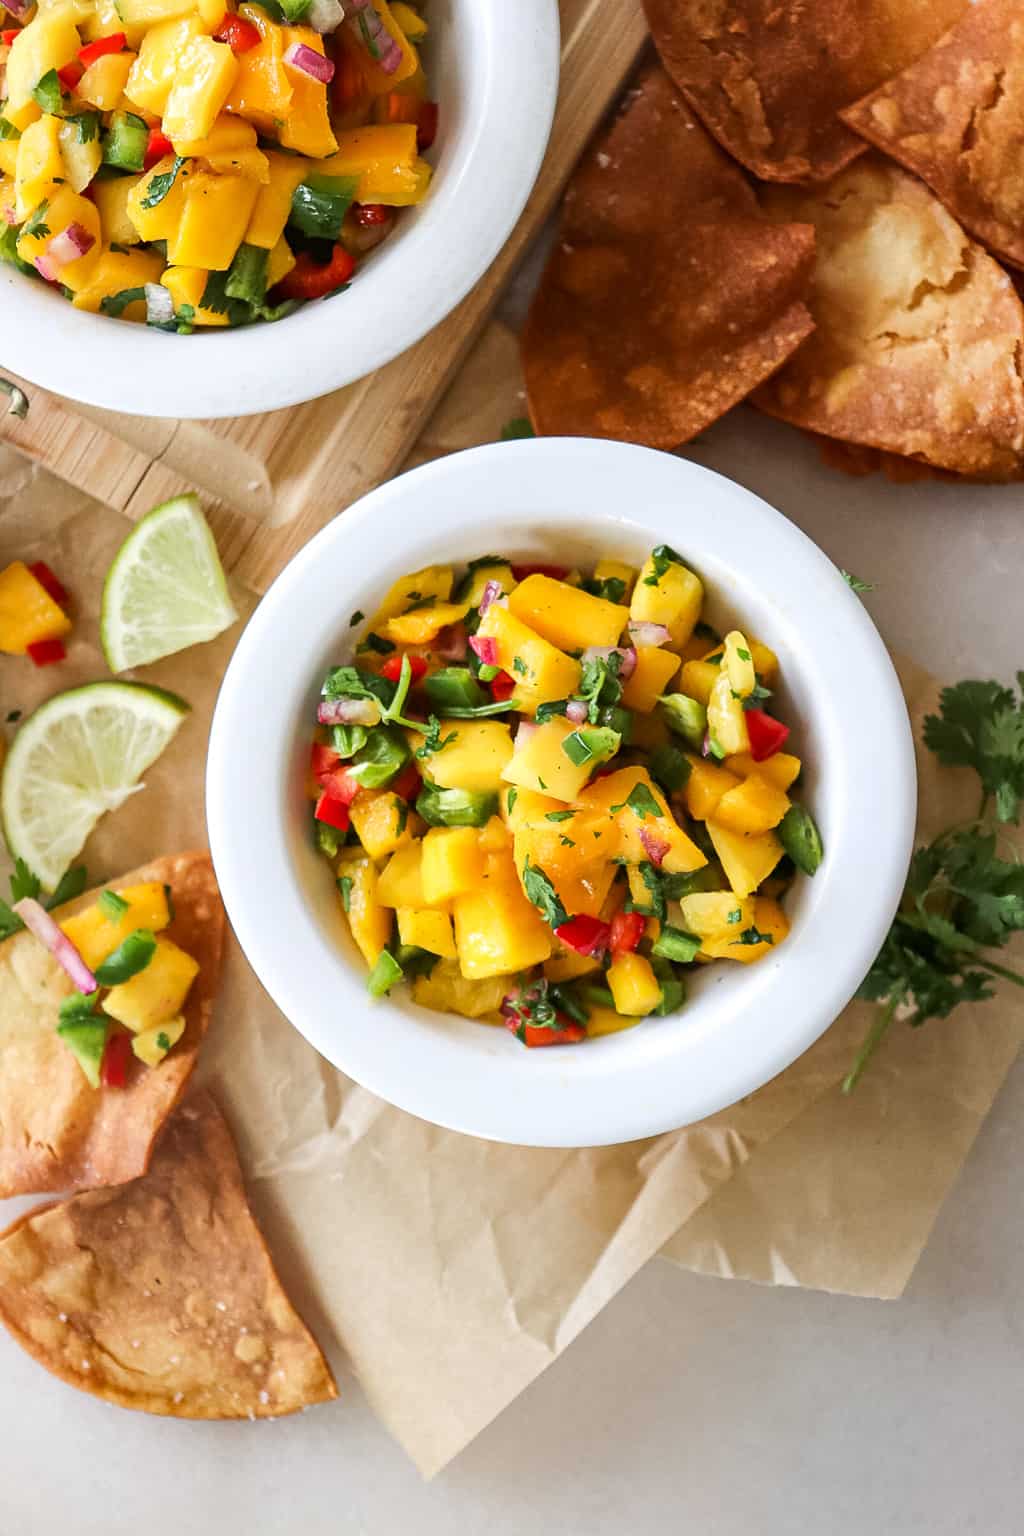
(584,838)
(190,167)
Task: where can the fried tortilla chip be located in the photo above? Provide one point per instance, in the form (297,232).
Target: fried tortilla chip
(769,76)
(919,333)
(668,296)
(160,1295)
(956,118)
(56,1132)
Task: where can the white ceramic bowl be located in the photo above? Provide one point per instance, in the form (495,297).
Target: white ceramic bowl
(566,500)
(494,70)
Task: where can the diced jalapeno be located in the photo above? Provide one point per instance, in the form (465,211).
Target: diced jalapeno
(801,839)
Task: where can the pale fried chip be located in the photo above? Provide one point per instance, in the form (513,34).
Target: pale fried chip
(56,1132)
(160,1295)
(668,296)
(769,76)
(919,333)
(956,118)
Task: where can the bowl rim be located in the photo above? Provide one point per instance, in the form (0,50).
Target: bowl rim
(126,367)
(755,1025)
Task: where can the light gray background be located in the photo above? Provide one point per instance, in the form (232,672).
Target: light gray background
(690,1404)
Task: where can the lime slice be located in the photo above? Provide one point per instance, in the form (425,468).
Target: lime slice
(81,754)
(165,590)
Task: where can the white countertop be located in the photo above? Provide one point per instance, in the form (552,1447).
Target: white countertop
(690,1403)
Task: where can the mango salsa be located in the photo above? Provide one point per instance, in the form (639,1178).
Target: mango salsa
(525,821)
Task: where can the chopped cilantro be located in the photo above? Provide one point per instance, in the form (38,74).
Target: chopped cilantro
(345,887)
(611,588)
(742,654)
(542,893)
(377,644)
(433,741)
(115,304)
(558,815)
(519,666)
(753,935)
(163,1042)
(357,618)
(37,224)
(519,426)
(661,558)
(567,842)
(855,584)
(981,726)
(735,916)
(159,186)
(112,905)
(49,93)
(641,802)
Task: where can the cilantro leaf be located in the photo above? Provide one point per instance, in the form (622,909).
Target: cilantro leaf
(855,584)
(661,558)
(115,304)
(159,186)
(433,741)
(23,882)
(519,426)
(71,884)
(112,905)
(37,224)
(542,893)
(980,725)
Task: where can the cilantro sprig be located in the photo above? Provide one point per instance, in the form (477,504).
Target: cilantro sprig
(24,883)
(981,726)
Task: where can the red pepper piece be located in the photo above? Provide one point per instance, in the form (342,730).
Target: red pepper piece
(586,935)
(558,572)
(309,280)
(70,75)
(323,761)
(369,215)
(50,584)
(159,145)
(45,652)
(341,785)
(117,1053)
(426,125)
(239,34)
(114,43)
(627,931)
(567,1033)
(392,668)
(502,687)
(407,784)
(333,812)
(767,735)
(8,35)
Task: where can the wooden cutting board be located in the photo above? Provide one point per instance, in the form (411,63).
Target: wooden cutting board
(270,482)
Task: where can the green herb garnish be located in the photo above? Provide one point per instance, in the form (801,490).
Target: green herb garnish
(159,186)
(661,558)
(855,584)
(128,959)
(112,905)
(542,893)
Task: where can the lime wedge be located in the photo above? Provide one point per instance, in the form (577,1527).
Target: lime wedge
(165,590)
(80,755)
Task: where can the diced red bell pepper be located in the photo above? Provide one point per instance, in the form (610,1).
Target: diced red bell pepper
(70,75)
(309,279)
(50,583)
(159,145)
(45,652)
(332,811)
(568,1033)
(627,929)
(370,215)
(8,35)
(767,735)
(113,43)
(239,34)
(117,1053)
(392,668)
(323,761)
(586,935)
(407,784)
(558,572)
(502,687)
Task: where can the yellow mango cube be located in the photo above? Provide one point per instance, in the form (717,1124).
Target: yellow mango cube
(280,261)
(727,725)
(9,167)
(103,20)
(567,616)
(494,837)
(160,55)
(448,991)
(497,570)
(155,994)
(710,914)
(766,663)
(262,91)
(40,165)
(452,864)
(186,285)
(633,985)
(643,829)
(755,805)
(63,209)
(96,936)
(162,221)
(748,858)
(152,1045)
(410,21)
(213,222)
(307,126)
(617,570)
(106,81)
(671,595)
(655,668)
(111,198)
(229,148)
(433,581)
(383,159)
(202,84)
(274,203)
(605,1021)
(698,678)
(115,272)
(82,157)
(540,670)
(368,919)
(473,760)
(567,964)
(497,929)
(541,764)
(425,624)
(524,807)
(706,786)
(400,883)
(427,930)
(49,42)
(583,891)
(767,929)
(212,13)
(147,13)
(381,820)
(781,769)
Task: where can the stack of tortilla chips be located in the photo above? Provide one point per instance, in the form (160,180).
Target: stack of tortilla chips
(807,205)
(152,1287)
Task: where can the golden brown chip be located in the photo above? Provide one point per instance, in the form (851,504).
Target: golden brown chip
(56,1132)
(160,1294)
(667,297)
(919,333)
(956,118)
(769,76)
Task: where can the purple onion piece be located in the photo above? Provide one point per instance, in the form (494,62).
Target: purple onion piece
(490,594)
(642,632)
(348,712)
(576,711)
(309,62)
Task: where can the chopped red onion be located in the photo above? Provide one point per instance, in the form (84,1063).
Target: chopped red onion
(490,594)
(10,217)
(325,16)
(486,647)
(47,269)
(308,62)
(71,243)
(655,846)
(373,34)
(159,305)
(39,922)
(19,9)
(348,712)
(644,633)
(525,731)
(705,746)
(628,664)
(576,711)
(450,642)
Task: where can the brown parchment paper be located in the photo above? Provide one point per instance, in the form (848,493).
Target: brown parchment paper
(451,1271)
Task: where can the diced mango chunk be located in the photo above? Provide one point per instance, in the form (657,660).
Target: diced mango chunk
(542,764)
(755,805)
(381,820)
(186,285)
(497,930)
(710,914)
(748,858)
(160,220)
(430,930)
(40,165)
(447,990)
(27,611)
(567,616)
(400,883)
(705,786)
(106,81)
(633,985)
(727,726)
(781,769)
(452,864)
(628,795)
(655,668)
(605,1021)
(474,760)
(768,927)
(116,272)
(368,919)
(274,203)
(152,75)
(670,594)
(307,126)
(95,935)
(425,624)
(540,670)
(155,994)
(433,581)
(152,1045)
(698,678)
